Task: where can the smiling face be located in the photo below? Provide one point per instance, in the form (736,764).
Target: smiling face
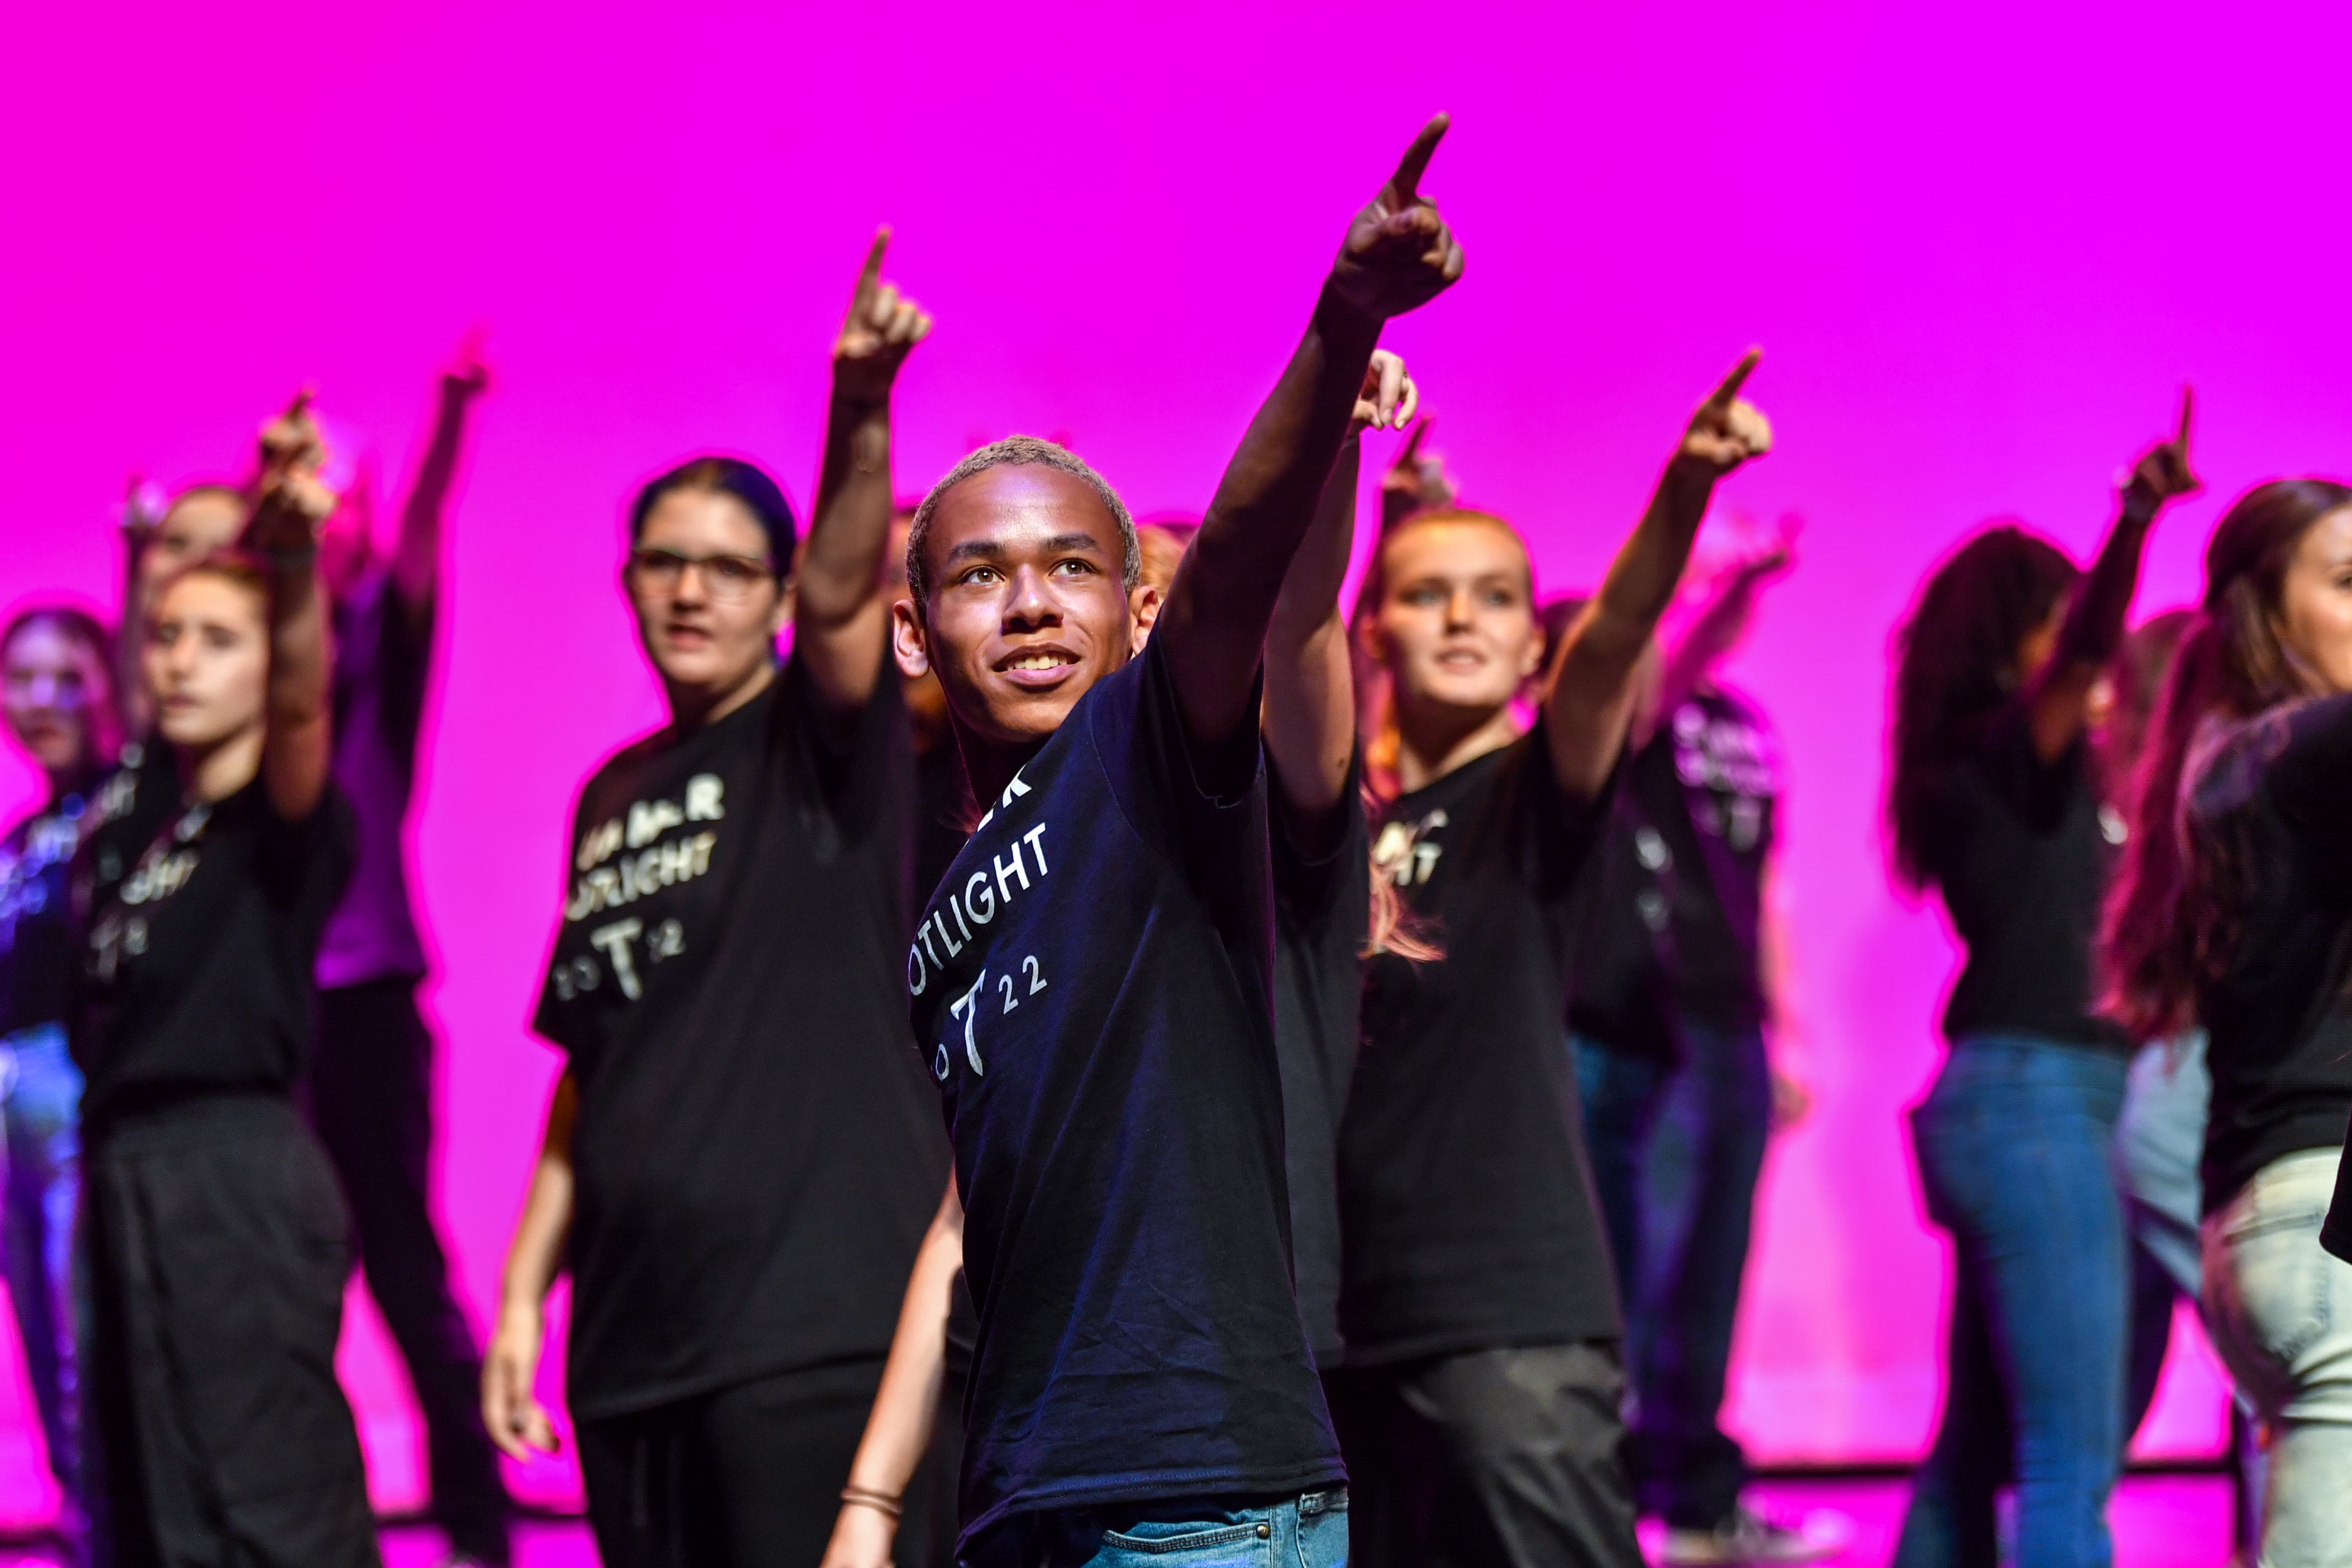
(54,686)
(706,633)
(207,659)
(1025,604)
(2315,609)
(1455,625)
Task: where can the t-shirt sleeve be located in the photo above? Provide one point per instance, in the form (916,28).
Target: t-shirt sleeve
(551,1020)
(842,762)
(2309,774)
(1309,887)
(1554,830)
(305,864)
(1167,786)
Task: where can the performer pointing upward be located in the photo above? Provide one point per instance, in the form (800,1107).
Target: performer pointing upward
(1090,983)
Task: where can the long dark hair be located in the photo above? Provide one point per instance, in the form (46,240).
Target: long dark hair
(1955,669)
(103,717)
(2170,914)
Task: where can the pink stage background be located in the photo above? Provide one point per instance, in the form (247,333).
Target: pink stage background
(1983,247)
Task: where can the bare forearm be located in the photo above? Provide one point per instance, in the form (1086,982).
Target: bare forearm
(907,1403)
(840,617)
(1310,719)
(537,1251)
(1687,657)
(129,646)
(299,747)
(416,558)
(1223,598)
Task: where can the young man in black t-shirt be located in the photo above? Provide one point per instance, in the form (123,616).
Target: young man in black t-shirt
(1480,1404)
(1090,987)
(740,1156)
(1678,1134)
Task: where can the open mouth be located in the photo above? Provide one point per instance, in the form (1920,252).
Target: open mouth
(1038,666)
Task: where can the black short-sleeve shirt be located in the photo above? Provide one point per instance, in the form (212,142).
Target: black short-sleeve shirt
(1322,906)
(37,935)
(2027,848)
(1090,985)
(1716,818)
(2269,809)
(756,1156)
(200,927)
(1466,1209)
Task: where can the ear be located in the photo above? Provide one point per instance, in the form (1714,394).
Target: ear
(1143,603)
(909,640)
(1531,656)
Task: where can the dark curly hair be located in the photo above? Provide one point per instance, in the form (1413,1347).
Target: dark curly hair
(2171,910)
(1955,670)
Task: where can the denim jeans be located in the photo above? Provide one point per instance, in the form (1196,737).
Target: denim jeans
(41,1091)
(1677,1151)
(2014,1148)
(2280,1311)
(1309,1532)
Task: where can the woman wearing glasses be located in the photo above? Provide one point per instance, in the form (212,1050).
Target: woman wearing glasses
(742,1155)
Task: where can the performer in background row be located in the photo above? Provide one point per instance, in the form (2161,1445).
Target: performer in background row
(217,1240)
(740,1156)
(56,687)
(1480,1405)
(2234,911)
(370,1093)
(1090,987)
(1993,800)
(1678,1112)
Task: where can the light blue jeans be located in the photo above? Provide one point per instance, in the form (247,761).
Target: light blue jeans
(1311,1531)
(40,1107)
(2280,1312)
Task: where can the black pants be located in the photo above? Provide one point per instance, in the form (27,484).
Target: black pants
(372,1101)
(748,1477)
(217,1257)
(1499,1458)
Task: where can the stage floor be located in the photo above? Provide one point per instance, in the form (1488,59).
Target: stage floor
(2161,1521)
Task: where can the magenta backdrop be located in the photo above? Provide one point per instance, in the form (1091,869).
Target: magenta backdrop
(1983,247)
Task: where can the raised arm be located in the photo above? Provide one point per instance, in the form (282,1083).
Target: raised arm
(416,558)
(2058,703)
(1398,255)
(841,617)
(1309,720)
(1714,622)
(511,1412)
(900,1429)
(1590,696)
(297,744)
(140,523)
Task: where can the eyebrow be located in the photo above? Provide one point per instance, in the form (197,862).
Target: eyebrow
(990,550)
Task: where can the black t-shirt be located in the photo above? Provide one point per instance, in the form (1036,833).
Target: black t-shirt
(1090,985)
(1715,817)
(200,927)
(37,937)
(2026,852)
(1465,1203)
(756,1156)
(2272,809)
(1619,938)
(1322,906)
(943,814)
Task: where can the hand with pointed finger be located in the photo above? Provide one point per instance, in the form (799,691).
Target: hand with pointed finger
(1389,398)
(2164,474)
(1416,479)
(882,328)
(467,375)
(287,518)
(292,440)
(1398,254)
(1727,430)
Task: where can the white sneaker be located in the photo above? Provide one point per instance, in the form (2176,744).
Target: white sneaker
(1746,1540)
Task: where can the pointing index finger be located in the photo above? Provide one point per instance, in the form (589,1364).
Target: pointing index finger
(1724,395)
(1405,184)
(2188,409)
(871,273)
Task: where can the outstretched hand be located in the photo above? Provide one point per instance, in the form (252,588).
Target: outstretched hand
(2164,474)
(1727,430)
(882,328)
(1398,254)
(292,441)
(1389,398)
(288,515)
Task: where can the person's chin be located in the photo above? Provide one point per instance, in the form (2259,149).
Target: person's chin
(187,726)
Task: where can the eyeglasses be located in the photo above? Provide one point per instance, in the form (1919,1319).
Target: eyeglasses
(726,578)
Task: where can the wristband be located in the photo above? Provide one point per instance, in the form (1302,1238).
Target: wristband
(290,560)
(880,1503)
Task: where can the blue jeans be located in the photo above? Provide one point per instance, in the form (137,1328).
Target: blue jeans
(1676,1152)
(1309,1532)
(41,1104)
(2013,1149)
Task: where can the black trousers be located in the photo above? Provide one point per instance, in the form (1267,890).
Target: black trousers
(217,1257)
(372,1101)
(747,1476)
(1498,1459)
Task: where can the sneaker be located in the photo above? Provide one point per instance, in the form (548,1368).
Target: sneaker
(1744,1538)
